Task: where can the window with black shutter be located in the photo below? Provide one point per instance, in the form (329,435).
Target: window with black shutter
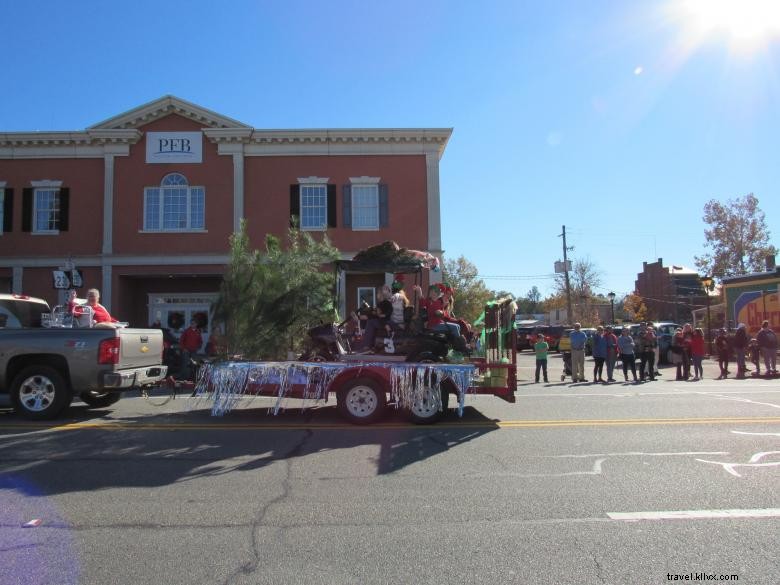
(8,209)
(295,205)
(27,209)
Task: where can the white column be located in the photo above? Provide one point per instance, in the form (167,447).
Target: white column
(108,203)
(238,189)
(16,280)
(342,300)
(105,291)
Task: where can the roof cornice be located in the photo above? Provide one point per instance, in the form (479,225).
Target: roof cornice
(425,138)
(164,106)
(89,137)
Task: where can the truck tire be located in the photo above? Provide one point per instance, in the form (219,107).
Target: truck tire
(425,410)
(99,399)
(40,393)
(361,400)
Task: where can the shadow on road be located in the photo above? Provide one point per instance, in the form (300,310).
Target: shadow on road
(158,450)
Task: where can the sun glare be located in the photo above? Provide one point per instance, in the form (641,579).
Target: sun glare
(746,22)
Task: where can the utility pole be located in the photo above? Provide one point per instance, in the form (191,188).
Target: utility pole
(569,314)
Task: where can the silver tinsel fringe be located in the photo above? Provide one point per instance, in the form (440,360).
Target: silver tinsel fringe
(226,383)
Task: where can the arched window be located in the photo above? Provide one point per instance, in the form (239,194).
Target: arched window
(174,206)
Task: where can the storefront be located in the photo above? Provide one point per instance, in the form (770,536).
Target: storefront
(752,299)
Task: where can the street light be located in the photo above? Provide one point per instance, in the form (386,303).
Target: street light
(612,301)
(706,282)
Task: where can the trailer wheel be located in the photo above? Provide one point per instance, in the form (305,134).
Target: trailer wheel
(40,393)
(362,400)
(425,409)
(99,399)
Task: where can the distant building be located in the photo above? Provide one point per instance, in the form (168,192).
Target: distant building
(670,293)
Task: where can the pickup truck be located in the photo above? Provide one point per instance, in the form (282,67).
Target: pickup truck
(43,369)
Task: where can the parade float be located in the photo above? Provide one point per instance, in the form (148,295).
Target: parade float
(419,382)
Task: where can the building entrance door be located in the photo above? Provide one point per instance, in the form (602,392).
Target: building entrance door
(175,311)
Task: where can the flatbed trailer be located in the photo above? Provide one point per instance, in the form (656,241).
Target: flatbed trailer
(365,386)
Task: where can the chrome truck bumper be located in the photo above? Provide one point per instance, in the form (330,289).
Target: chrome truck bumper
(125,379)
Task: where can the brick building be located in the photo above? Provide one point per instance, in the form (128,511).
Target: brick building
(670,293)
(144,203)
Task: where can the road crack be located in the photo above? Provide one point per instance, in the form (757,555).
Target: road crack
(251,566)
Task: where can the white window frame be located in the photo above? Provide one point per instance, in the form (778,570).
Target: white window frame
(362,182)
(318,182)
(56,210)
(373,295)
(161,207)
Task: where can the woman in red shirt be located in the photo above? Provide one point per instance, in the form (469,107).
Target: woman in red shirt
(697,353)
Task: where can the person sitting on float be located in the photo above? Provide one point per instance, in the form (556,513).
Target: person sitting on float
(99,313)
(400,302)
(377,319)
(436,311)
(449,308)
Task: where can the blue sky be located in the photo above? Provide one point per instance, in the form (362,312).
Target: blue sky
(607,116)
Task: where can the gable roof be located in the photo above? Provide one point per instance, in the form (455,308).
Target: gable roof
(163,106)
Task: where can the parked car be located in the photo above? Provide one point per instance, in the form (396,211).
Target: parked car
(590,332)
(523,338)
(564,343)
(552,334)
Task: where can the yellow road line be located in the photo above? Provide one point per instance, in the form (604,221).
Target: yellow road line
(509,424)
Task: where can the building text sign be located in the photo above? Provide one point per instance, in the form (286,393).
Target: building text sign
(174,147)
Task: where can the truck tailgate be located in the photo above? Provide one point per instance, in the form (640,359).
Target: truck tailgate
(140,347)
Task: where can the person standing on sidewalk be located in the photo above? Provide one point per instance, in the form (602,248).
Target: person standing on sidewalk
(722,347)
(599,354)
(740,345)
(627,356)
(767,341)
(697,354)
(541,347)
(647,344)
(687,336)
(612,349)
(578,340)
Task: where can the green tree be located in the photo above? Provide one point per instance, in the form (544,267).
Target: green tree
(737,236)
(471,294)
(269,298)
(634,306)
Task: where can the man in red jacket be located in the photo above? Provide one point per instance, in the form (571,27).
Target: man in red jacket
(190,342)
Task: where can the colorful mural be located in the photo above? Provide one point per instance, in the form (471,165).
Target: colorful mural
(753,301)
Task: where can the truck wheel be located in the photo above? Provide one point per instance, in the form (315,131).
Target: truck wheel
(40,393)
(361,400)
(425,409)
(99,399)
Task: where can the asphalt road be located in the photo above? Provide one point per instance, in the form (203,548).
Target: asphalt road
(575,483)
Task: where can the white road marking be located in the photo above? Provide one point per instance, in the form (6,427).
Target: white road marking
(695,514)
(636,454)
(754,462)
(756,434)
(745,400)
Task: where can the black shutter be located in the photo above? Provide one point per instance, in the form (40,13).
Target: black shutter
(27,209)
(384,217)
(295,206)
(64,196)
(332,206)
(347,206)
(8,211)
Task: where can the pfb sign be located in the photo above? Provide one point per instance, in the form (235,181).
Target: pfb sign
(174,147)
